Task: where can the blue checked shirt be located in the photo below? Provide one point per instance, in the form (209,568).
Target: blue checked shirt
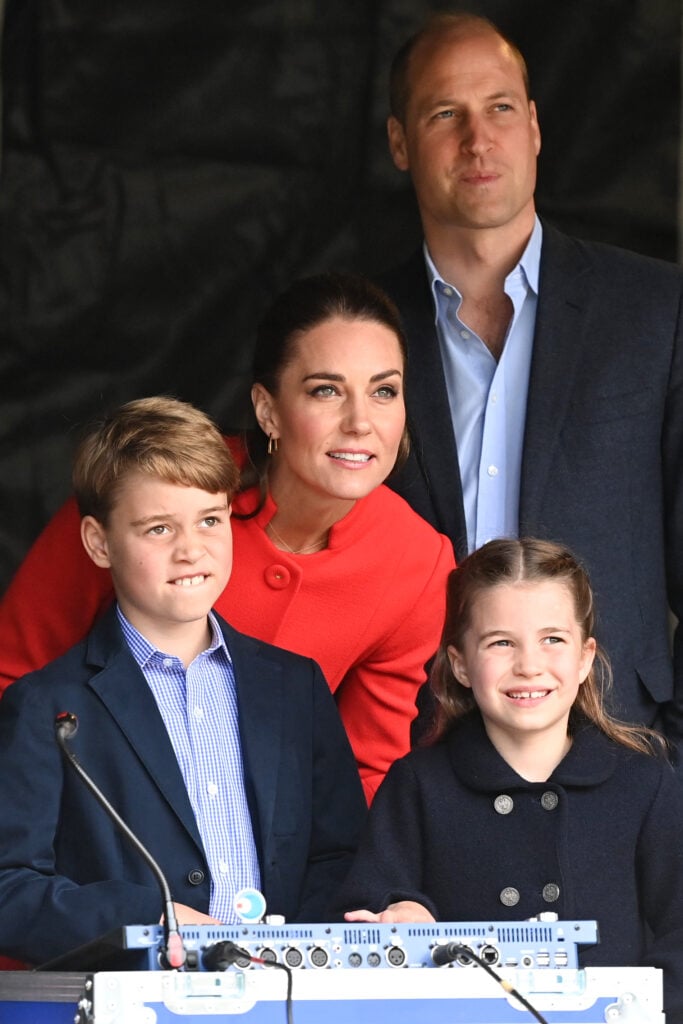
(488,398)
(199,709)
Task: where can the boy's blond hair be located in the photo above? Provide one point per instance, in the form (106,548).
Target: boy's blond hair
(160,437)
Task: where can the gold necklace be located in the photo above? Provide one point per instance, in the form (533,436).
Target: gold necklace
(318,546)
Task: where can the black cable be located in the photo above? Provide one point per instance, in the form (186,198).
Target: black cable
(289,1008)
(507,986)
(222,954)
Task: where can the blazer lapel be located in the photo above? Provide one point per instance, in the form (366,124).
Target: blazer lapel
(260,696)
(428,409)
(123,690)
(563,299)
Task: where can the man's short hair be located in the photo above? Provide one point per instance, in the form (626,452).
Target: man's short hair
(441,24)
(160,437)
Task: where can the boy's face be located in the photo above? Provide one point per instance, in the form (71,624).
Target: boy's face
(169,549)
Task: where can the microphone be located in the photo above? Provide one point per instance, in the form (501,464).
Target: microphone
(173,951)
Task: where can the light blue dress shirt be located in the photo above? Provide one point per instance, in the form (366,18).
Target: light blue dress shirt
(199,709)
(488,398)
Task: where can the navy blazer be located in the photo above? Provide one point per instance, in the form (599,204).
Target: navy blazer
(67,875)
(602,468)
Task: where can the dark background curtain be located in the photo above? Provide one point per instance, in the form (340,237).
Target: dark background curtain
(167,167)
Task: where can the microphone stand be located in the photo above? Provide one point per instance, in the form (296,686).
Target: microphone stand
(173,951)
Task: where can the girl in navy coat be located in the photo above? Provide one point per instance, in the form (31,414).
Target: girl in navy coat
(531,797)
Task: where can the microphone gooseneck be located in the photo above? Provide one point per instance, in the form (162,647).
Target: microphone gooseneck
(173,952)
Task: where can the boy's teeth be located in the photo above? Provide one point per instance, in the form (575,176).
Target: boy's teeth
(189,581)
(525,694)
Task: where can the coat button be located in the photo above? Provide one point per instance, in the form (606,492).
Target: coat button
(509,897)
(551,892)
(195,877)
(549,800)
(503,804)
(277,576)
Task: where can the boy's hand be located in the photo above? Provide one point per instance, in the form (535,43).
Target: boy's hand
(188,915)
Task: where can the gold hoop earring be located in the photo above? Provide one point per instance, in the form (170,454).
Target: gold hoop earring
(273,443)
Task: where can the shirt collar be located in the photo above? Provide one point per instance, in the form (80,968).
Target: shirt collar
(529,266)
(143,651)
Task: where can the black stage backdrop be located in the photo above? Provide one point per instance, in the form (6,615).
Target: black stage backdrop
(168,166)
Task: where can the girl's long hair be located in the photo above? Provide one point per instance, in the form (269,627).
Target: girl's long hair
(528,560)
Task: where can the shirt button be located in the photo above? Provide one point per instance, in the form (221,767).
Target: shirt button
(195,877)
(492,471)
(223,867)
(509,896)
(198,712)
(168,662)
(212,788)
(447,291)
(465,335)
(503,804)
(277,576)
(549,800)
(551,892)
(494,398)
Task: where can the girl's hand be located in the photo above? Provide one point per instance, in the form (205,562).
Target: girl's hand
(406,911)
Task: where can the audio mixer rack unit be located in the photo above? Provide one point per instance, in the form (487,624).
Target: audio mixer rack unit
(341,974)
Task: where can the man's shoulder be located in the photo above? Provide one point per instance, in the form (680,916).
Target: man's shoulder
(407,285)
(406,282)
(563,252)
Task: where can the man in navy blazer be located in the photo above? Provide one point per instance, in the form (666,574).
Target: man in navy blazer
(594,455)
(225,756)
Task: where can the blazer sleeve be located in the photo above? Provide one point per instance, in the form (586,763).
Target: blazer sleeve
(45,913)
(53,600)
(390,862)
(377,697)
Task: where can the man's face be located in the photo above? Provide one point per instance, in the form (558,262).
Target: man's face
(470,138)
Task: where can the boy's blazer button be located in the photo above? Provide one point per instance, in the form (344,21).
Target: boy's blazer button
(195,877)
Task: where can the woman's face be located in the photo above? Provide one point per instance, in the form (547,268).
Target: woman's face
(339,413)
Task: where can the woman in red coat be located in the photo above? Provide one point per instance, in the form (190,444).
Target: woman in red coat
(327,561)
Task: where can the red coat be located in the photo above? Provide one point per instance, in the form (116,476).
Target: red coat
(369,609)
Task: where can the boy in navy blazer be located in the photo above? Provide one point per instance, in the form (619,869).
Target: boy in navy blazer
(223,754)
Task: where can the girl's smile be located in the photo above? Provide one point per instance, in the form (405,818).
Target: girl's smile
(524,658)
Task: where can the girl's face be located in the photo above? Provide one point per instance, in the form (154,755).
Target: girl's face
(338,414)
(524,659)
